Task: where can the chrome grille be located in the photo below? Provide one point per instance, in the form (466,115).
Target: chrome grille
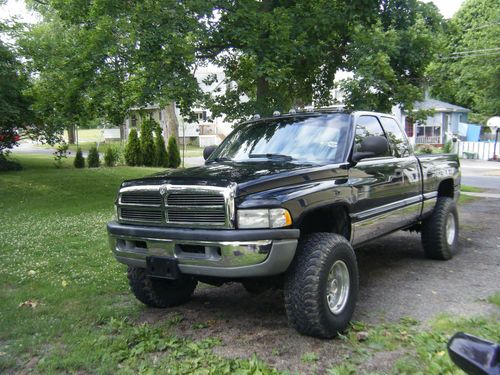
(178,205)
(142,199)
(192,207)
(141,215)
(183,199)
(176,215)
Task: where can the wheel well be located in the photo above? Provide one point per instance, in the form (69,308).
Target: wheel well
(332,219)
(446,188)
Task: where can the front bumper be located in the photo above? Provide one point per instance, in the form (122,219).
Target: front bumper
(217,253)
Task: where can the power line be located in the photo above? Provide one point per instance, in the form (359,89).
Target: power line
(469,55)
(477,50)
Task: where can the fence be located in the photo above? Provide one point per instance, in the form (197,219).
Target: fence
(427,140)
(482,150)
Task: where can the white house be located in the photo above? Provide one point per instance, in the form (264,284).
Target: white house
(438,128)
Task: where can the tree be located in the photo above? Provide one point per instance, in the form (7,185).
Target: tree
(280,54)
(15,112)
(79,161)
(113,55)
(161,157)
(147,142)
(388,58)
(467,72)
(110,156)
(93,158)
(133,156)
(174,156)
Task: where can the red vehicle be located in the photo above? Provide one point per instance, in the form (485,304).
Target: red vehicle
(6,136)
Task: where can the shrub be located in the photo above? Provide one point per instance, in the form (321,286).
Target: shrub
(174,156)
(79,161)
(424,149)
(8,165)
(161,158)
(133,149)
(93,158)
(111,156)
(60,154)
(147,142)
(448,147)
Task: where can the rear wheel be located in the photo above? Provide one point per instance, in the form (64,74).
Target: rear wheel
(321,286)
(440,230)
(157,292)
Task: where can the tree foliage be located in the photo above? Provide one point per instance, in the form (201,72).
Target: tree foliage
(93,160)
(468,71)
(388,58)
(97,59)
(174,156)
(133,155)
(15,112)
(147,142)
(111,156)
(79,161)
(161,157)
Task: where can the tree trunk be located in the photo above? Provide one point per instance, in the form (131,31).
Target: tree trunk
(71,134)
(263,102)
(172,121)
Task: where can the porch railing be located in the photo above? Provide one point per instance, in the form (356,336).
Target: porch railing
(435,139)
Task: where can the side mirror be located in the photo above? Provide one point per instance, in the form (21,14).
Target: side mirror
(207,151)
(474,355)
(371,146)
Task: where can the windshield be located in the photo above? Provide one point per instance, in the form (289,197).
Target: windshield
(321,138)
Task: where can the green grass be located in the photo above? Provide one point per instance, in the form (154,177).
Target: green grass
(470,189)
(423,351)
(495,299)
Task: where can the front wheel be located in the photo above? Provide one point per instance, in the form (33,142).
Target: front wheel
(321,286)
(440,230)
(157,292)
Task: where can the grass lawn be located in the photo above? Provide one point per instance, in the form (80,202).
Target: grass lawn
(65,304)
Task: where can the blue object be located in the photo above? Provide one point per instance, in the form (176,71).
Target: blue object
(473,132)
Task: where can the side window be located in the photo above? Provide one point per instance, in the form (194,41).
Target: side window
(397,140)
(367,126)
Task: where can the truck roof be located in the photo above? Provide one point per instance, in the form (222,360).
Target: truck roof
(315,112)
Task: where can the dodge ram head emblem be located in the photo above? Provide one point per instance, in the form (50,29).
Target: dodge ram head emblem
(163,190)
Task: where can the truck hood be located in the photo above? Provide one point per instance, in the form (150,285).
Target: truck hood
(249,177)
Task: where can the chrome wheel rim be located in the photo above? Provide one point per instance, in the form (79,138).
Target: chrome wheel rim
(337,289)
(450,229)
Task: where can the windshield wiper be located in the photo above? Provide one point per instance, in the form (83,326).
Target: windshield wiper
(270,156)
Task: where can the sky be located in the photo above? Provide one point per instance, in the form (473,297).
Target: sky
(18,8)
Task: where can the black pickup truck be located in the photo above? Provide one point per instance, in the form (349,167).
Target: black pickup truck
(282,202)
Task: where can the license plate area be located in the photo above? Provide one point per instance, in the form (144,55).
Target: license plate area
(164,267)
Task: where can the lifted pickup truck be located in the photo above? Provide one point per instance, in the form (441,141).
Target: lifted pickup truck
(282,202)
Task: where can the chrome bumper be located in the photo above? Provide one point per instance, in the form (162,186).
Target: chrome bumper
(230,259)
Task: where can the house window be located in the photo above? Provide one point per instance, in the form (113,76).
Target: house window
(201,116)
(429,132)
(134,120)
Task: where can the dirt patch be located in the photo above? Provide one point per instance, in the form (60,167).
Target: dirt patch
(396,281)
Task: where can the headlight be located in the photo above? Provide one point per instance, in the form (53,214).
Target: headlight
(264,218)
